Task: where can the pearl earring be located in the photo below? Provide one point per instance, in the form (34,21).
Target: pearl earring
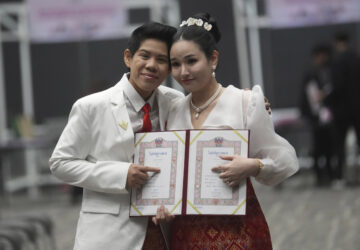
(213,73)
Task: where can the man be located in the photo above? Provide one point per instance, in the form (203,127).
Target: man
(316,85)
(344,99)
(96,147)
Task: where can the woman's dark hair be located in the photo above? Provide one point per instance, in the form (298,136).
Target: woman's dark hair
(150,30)
(207,40)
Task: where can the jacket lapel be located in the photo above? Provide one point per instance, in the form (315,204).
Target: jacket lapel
(121,116)
(163,104)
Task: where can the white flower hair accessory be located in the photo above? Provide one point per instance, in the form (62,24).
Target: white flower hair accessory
(199,22)
(207,26)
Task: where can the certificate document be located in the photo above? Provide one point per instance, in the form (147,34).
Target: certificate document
(186,183)
(164,150)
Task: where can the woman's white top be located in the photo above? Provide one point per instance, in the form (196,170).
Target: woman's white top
(244,109)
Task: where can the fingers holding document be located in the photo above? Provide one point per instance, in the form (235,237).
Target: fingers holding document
(138,175)
(162,215)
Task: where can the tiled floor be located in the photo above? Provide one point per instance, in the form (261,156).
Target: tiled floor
(302,217)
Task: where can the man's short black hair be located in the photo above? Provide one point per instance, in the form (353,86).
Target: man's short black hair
(342,37)
(151,30)
(321,49)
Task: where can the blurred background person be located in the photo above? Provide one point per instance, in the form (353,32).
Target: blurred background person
(343,99)
(316,86)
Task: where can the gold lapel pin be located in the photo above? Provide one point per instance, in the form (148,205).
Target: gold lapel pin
(124,125)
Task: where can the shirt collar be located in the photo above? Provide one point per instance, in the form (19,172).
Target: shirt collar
(135,98)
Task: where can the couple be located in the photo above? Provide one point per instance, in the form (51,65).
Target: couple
(96,147)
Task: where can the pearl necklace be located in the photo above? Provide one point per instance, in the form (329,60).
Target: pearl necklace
(198,110)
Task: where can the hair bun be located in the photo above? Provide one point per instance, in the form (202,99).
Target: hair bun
(208,18)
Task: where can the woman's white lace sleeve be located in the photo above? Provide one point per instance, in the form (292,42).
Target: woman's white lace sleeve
(277,155)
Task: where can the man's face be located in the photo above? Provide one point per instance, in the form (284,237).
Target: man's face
(320,59)
(149,66)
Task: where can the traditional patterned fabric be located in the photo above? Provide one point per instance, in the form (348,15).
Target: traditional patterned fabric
(154,239)
(248,231)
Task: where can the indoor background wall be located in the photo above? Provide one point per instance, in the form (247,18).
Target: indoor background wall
(64,72)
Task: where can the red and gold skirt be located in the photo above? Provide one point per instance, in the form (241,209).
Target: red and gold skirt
(248,231)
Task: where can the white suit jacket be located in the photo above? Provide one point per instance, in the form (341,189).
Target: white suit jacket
(95,151)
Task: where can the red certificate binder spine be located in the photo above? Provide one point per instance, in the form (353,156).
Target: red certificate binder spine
(186,172)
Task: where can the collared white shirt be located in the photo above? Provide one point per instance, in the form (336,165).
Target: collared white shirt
(134,102)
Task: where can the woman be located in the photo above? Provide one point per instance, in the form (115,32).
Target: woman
(194,58)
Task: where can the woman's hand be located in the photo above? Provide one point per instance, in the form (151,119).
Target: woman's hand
(162,215)
(267,105)
(238,169)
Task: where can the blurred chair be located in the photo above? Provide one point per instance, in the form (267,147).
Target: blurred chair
(37,231)
(5,244)
(13,239)
(27,230)
(46,228)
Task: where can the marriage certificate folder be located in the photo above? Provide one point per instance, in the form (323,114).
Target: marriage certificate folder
(186,183)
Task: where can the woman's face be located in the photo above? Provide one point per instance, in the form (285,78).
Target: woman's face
(190,66)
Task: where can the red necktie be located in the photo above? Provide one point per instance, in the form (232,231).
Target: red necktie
(146,120)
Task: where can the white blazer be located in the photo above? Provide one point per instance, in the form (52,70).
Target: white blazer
(95,151)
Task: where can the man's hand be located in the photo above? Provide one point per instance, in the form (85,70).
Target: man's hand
(162,215)
(137,175)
